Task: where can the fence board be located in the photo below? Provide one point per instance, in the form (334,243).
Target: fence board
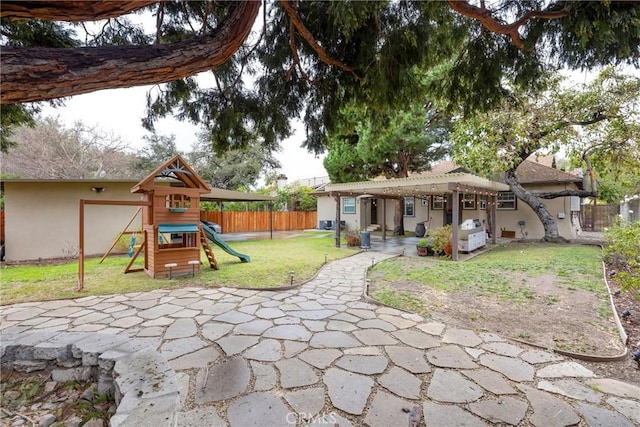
(242,222)
(598,217)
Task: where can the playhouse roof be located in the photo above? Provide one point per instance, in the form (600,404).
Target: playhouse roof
(176,168)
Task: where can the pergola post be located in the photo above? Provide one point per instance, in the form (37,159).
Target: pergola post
(494,210)
(455,200)
(337,220)
(384,219)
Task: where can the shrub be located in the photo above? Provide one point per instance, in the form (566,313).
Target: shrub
(622,252)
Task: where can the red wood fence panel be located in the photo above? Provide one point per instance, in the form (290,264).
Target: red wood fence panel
(241,222)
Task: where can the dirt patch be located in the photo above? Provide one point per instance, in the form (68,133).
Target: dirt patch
(551,315)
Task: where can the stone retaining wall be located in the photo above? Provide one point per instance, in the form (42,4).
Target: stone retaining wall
(143,385)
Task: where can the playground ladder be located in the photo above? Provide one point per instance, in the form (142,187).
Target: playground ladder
(207,250)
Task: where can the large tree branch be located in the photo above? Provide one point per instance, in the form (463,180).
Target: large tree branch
(37,74)
(70,11)
(490,23)
(565,193)
(308,37)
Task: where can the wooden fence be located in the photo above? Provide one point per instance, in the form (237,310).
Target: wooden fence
(598,217)
(240,222)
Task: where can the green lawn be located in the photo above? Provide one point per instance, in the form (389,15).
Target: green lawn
(270,266)
(499,273)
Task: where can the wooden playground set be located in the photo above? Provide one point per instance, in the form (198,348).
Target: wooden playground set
(172,234)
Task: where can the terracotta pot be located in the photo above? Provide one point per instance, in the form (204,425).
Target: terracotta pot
(448,249)
(422,250)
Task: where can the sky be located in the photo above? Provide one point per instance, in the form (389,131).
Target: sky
(121,110)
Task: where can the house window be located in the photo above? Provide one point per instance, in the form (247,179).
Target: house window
(409,206)
(483,202)
(506,201)
(437,202)
(469,201)
(349,205)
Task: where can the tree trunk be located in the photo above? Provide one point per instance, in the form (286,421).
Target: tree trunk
(38,74)
(398,218)
(548,222)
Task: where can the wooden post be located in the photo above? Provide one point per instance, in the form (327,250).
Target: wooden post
(494,210)
(81,248)
(384,219)
(115,242)
(337,220)
(455,220)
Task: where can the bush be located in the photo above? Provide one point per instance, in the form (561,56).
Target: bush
(622,252)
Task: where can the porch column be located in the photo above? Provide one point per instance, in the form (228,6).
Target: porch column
(384,219)
(494,210)
(455,196)
(337,220)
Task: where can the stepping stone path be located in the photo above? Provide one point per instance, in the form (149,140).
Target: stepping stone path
(322,355)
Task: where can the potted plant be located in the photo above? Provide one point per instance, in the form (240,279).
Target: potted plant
(442,238)
(353,238)
(423,247)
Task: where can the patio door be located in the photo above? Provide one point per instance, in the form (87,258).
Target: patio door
(374,211)
(448,210)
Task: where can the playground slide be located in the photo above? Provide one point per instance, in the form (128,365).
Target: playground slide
(213,236)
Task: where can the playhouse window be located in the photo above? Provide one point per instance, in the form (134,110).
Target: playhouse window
(177,201)
(172,236)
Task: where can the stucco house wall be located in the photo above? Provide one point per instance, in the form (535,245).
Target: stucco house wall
(506,219)
(42,217)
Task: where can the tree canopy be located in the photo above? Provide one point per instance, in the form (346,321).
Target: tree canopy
(306,60)
(600,120)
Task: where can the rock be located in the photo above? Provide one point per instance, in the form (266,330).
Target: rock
(46,420)
(94,422)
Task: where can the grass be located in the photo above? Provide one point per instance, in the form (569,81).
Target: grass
(500,272)
(272,262)
(398,299)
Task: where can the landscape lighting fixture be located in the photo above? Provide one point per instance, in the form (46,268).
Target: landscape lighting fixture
(636,357)
(625,313)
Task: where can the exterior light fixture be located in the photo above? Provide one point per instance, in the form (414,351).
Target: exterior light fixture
(98,189)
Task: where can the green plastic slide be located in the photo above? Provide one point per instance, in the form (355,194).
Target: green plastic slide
(213,237)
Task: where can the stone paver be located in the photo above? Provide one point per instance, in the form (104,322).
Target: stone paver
(347,391)
(247,357)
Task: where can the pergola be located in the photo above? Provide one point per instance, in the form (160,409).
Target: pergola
(422,186)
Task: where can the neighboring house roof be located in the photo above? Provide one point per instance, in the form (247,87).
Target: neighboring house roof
(315,182)
(548,160)
(216,194)
(536,173)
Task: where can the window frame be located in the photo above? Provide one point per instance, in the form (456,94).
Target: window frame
(344,205)
(468,204)
(412,203)
(438,202)
(510,204)
(483,202)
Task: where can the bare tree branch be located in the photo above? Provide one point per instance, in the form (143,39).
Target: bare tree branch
(490,23)
(565,193)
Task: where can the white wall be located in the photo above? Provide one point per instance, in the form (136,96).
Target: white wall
(42,218)
(507,219)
